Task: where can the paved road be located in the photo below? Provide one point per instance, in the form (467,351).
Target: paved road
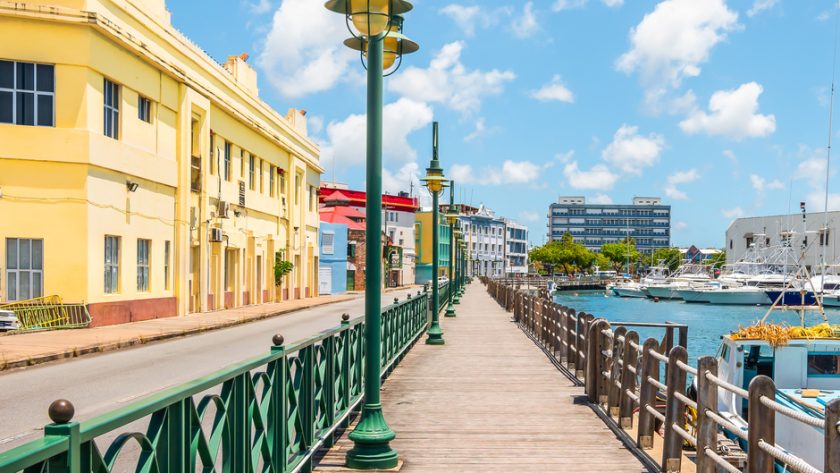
(98,383)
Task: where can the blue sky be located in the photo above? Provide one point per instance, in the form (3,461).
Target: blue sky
(719,106)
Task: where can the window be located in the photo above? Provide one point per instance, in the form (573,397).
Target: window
(351,250)
(112,110)
(226,166)
(282,181)
(214,155)
(271,180)
(823,364)
(251,170)
(327,243)
(311,198)
(166,250)
(143,251)
(112,264)
(24,268)
(262,179)
(144,109)
(297,189)
(27,93)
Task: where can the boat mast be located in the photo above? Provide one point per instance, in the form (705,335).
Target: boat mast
(824,235)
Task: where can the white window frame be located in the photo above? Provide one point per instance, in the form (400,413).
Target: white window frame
(111,284)
(16,89)
(144,264)
(111,109)
(328,243)
(15,269)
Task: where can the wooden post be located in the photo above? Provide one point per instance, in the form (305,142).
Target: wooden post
(593,354)
(674,411)
(604,344)
(571,335)
(707,399)
(614,396)
(762,422)
(647,394)
(581,344)
(832,437)
(628,379)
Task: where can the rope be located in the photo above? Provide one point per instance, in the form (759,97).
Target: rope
(729,387)
(686,368)
(621,339)
(652,411)
(794,462)
(635,346)
(631,368)
(685,435)
(607,332)
(617,384)
(793,414)
(721,462)
(658,356)
(657,384)
(685,400)
(631,395)
(739,432)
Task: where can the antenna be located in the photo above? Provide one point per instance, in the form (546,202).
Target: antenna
(824,235)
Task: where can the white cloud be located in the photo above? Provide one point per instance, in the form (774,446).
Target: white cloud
(732,114)
(680,177)
(554,90)
(730,155)
(613,3)
(449,82)
(599,177)
(565,157)
(511,172)
(601,199)
(733,213)
(673,41)
(315,124)
(470,18)
(529,216)
(560,5)
(759,6)
(525,25)
(259,7)
(479,131)
(303,53)
(760,184)
(679,226)
(406,177)
(632,152)
(346,139)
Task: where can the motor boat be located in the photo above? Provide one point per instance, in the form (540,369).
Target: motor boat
(687,276)
(629,289)
(806,373)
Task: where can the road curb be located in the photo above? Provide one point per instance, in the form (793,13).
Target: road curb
(76,352)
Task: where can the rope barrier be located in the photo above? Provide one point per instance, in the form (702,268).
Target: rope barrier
(792,461)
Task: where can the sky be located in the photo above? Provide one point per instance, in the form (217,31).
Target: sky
(721,107)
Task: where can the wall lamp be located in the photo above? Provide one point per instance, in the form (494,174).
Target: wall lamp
(131,186)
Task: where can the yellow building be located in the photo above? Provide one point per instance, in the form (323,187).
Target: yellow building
(423,246)
(140,176)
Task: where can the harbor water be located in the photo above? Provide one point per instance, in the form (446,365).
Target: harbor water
(706,323)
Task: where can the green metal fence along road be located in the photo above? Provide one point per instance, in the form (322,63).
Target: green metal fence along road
(267,414)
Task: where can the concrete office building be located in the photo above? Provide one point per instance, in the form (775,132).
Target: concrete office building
(516,255)
(776,229)
(646,220)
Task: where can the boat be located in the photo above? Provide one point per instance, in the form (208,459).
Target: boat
(630,289)
(744,295)
(806,373)
(686,277)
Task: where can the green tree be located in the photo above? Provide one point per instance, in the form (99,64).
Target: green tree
(671,257)
(717,260)
(281,268)
(619,254)
(565,254)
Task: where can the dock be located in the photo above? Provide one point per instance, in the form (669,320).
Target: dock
(490,401)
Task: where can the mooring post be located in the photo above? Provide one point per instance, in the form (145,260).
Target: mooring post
(762,425)
(707,400)
(628,379)
(647,394)
(674,410)
(614,396)
(592,356)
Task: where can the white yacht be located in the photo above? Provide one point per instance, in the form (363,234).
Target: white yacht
(688,276)
(656,275)
(629,289)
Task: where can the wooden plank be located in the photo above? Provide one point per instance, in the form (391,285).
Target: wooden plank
(489,400)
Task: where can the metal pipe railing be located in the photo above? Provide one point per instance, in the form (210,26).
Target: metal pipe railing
(621,376)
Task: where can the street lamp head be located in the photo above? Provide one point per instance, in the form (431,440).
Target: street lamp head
(369,17)
(434,179)
(395,45)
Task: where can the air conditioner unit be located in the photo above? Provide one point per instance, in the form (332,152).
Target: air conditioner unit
(216,235)
(224,207)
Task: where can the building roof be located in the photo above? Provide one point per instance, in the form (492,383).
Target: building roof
(359,199)
(346,215)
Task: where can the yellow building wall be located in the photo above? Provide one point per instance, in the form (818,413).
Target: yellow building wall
(67,183)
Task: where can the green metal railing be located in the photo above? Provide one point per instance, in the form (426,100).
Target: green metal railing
(48,312)
(267,414)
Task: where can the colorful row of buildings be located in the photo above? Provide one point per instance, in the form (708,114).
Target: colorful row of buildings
(143,178)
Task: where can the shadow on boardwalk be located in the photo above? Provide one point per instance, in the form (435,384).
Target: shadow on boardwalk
(490,401)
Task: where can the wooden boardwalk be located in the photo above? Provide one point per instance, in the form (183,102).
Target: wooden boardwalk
(490,401)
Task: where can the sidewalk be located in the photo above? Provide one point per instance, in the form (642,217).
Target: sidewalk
(27,349)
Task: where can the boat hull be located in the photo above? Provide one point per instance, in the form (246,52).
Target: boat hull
(628,292)
(693,296)
(738,298)
(831,300)
(662,292)
(792,298)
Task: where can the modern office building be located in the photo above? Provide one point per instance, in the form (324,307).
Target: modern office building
(646,220)
(819,240)
(516,255)
(139,175)
(484,234)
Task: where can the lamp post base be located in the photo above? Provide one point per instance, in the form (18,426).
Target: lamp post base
(435,335)
(450,311)
(371,437)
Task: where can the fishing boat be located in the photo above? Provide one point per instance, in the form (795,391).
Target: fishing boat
(687,276)
(629,289)
(806,372)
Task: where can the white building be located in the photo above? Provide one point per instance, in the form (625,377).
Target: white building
(774,229)
(516,256)
(485,236)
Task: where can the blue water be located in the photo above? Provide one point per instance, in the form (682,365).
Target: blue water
(706,322)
